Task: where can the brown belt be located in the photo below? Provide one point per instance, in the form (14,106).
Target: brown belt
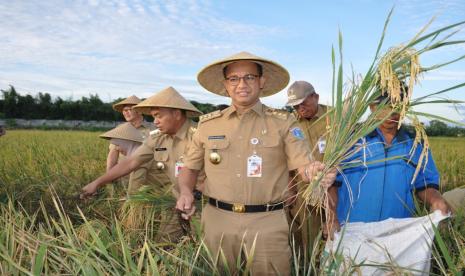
(242,208)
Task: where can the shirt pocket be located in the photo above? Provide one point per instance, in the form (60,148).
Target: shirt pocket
(271,151)
(161,158)
(215,148)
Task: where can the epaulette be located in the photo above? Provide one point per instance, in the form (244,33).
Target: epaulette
(192,129)
(209,116)
(278,113)
(155,133)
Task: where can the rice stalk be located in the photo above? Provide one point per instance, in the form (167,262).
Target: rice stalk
(347,124)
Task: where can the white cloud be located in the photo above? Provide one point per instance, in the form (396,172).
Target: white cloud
(100,45)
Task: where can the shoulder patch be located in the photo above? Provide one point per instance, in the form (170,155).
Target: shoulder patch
(192,130)
(297,133)
(278,113)
(209,116)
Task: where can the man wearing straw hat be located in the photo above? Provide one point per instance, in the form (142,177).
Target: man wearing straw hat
(135,119)
(127,139)
(306,222)
(247,151)
(165,148)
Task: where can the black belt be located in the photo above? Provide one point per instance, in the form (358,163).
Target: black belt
(242,208)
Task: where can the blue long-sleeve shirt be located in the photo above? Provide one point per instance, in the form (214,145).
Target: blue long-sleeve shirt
(379,183)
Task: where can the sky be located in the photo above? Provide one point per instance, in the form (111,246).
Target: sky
(115,49)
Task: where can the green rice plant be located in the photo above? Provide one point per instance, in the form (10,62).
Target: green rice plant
(387,71)
(450,160)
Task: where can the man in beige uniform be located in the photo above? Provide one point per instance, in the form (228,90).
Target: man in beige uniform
(306,222)
(247,151)
(132,117)
(165,148)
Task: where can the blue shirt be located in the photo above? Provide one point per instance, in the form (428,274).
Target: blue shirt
(378,185)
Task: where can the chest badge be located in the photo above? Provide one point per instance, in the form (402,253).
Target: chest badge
(215,158)
(160,165)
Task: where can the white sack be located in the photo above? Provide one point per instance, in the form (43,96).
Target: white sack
(404,243)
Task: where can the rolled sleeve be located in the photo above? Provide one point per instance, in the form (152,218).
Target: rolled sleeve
(194,157)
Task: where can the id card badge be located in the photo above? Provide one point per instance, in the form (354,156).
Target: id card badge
(321,145)
(254,166)
(177,168)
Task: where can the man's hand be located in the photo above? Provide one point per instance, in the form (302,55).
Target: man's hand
(434,200)
(185,205)
(89,190)
(312,171)
(329,178)
(440,204)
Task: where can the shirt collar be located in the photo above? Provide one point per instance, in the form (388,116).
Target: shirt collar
(321,111)
(257,108)
(182,132)
(401,136)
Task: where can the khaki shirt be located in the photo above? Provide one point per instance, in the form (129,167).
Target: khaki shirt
(314,130)
(167,150)
(233,138)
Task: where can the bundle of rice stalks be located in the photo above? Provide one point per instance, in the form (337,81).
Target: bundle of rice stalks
(139,219)
(394,74)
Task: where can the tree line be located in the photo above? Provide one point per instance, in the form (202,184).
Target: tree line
(42,106)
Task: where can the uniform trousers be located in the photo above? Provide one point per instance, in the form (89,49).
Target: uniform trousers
(234,234)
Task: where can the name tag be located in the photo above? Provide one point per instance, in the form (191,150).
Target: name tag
(217,137)
(254,166)
(177,168)
(321,145)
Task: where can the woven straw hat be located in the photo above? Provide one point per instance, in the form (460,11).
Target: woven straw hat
(211,77)
(124,131)
(132,100)
(170,98)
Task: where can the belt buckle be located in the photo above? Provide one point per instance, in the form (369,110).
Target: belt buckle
(238,208)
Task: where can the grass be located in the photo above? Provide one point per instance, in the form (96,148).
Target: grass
(44,229)
(449,156)
(41,234)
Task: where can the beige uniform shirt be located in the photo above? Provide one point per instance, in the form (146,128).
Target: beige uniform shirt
(273,135)
(169,151)
(314,130)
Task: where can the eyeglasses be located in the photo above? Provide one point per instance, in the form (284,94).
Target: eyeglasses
(235,80)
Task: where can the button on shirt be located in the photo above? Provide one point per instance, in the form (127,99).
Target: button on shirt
(379,185)
(261,131)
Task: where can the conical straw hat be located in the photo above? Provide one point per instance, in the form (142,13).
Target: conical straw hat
(276,76)
(124,131)
(132,100)
(168,97)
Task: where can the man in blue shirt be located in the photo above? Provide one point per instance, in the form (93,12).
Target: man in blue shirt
(379,185)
